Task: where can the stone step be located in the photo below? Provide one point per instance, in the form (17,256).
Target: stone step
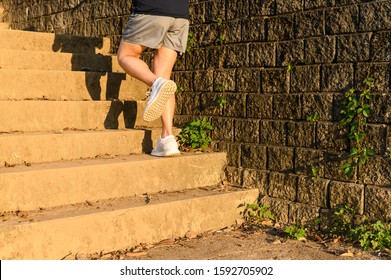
(27,60)
(30,148)
(67,85)
(69,182)
(41,115)
(119,224)
(49,42)
(4,25)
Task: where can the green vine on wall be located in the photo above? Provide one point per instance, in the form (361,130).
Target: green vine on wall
(357,110)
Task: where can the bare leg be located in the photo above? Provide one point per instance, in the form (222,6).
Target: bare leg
(128,56)
(163,63)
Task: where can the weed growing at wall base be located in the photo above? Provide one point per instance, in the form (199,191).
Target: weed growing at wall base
(196,135)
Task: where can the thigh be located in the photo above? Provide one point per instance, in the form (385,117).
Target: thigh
(130,49)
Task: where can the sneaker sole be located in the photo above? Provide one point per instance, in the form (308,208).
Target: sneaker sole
(155,109)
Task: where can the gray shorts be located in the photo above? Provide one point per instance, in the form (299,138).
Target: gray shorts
(157,31)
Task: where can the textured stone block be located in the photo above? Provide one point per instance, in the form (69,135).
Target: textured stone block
(203,81)
(184,80)
(262,54)
(313,4)
(233,151)
(254,156)
(375,138)
(290,53)
(378,203)
(313,191)
(286,107)
(197,13)
(214,10)
(253,30)
(342,20)
(377,171)
(306,158)
(234,175)
(235,106)
(331,164)
(205,34)
(253,178)
(224,80)
(301,134)
(223,129)
(343,193)
(283,186)
(248,80)
(215,57)
(318,103)
(262,7)
(381,109)
(303,214)
(381,47)
(284,6)
(320,50)
(237,9)
(305,79)
(380,72)
(274,80)
(278,208)
(279,28)
(231,32)
(247,131)
(190,103)
(375,16)
(280,159)
(195,60)
(352,48)
(259,106)
(235,56)
(273,133)
(332,136)
(209,104)
(309,24)
(337,77)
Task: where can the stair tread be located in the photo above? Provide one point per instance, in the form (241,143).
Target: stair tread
(16,39)
(111,205)
(121,159)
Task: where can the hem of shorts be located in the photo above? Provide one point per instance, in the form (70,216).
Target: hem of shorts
(152,47)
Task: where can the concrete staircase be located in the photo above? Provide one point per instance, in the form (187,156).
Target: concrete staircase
(75,174)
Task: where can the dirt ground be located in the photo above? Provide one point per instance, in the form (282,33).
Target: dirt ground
(267,243)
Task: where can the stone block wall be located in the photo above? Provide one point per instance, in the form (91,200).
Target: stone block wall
(275,62)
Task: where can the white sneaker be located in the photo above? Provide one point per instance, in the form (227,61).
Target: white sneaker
(161,91)
(166,147)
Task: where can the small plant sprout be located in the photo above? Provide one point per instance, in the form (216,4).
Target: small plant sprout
(221,101)
(315,175)
(357,110)
(256,213)
(295,232)
(313,118)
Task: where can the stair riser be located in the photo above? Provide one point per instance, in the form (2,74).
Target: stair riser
(66,85)
(17,59)
(20,148)
(122,228)
(48,42)
(31,190)
(31,116)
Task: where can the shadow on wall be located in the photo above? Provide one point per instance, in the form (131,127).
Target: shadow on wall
(98,68)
